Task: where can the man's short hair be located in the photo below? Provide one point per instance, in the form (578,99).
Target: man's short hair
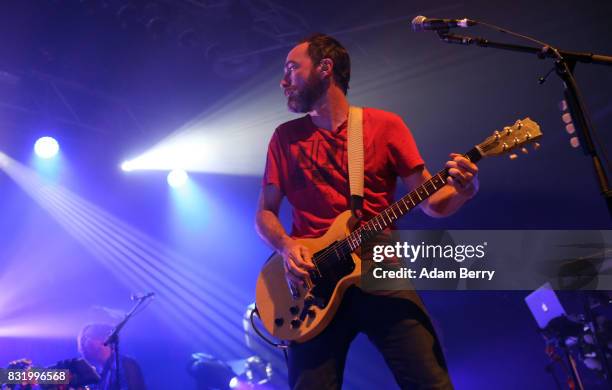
(96,331)
(322,46)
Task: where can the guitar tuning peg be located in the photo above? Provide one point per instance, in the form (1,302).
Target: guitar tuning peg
(575,142)
(524,150)
(536,146)
(513,156)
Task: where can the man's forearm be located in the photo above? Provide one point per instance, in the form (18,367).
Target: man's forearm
(271,230)
(445,202)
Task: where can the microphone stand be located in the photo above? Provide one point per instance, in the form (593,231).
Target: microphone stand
(565,62)
(113,338)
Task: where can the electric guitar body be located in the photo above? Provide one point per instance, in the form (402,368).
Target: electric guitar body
(297,315)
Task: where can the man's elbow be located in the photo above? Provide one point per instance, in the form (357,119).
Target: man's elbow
(262,218)
(436,209)
(258,221)
(431,211)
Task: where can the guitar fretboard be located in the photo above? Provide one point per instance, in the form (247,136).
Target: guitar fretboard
(398,209)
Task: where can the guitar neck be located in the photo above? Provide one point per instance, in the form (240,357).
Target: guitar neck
(398,209)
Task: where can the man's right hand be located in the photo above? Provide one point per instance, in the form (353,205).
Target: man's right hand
(297,261)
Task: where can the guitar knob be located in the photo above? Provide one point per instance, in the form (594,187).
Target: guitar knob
(295,324)
(294,310)
(513,156)
(279,322)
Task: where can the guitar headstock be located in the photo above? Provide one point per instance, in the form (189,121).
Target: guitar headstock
(523,132)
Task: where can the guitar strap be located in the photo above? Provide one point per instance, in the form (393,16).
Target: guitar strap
(355,159)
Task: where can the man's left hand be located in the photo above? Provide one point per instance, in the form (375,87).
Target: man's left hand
(463,175)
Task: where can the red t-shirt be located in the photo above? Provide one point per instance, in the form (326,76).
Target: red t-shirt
(309,165)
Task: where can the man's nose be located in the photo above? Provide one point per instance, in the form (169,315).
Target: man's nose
(284,82)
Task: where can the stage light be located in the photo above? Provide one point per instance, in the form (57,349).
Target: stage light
(46,147)
(236,129)
(3,160)
(193,304)
(231,137)
(127,166)
(177,178)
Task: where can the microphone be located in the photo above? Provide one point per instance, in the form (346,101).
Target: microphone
(422,23)
(136,297)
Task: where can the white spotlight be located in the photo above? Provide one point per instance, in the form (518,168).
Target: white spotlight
(46,147)
(127,166)
(177,178)
(3,160)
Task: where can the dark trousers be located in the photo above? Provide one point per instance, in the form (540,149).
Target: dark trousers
(396,326)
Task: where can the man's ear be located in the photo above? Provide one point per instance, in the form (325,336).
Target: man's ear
(326,66)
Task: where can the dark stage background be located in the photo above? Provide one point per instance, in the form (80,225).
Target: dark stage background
(113,79)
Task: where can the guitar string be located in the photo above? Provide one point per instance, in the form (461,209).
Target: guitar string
(326,255)
(442,175)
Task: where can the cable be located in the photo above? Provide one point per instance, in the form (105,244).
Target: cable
(280,345)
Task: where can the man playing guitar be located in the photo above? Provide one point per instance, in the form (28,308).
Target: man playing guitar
(307,163)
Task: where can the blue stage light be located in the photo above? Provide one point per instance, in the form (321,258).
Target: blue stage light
(177,178)
(46,147)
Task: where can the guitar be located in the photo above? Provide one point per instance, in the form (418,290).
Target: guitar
(299,313)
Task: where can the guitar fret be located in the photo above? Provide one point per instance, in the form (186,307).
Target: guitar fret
(432,188)
(374,223)
(437,182)
(411,202)
(394,211)
(366,228)
(417,194)
(394,215)
(378,222)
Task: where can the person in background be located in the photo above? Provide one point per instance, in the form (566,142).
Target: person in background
(91,347)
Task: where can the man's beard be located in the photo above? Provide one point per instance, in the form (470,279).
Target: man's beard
(303,100)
